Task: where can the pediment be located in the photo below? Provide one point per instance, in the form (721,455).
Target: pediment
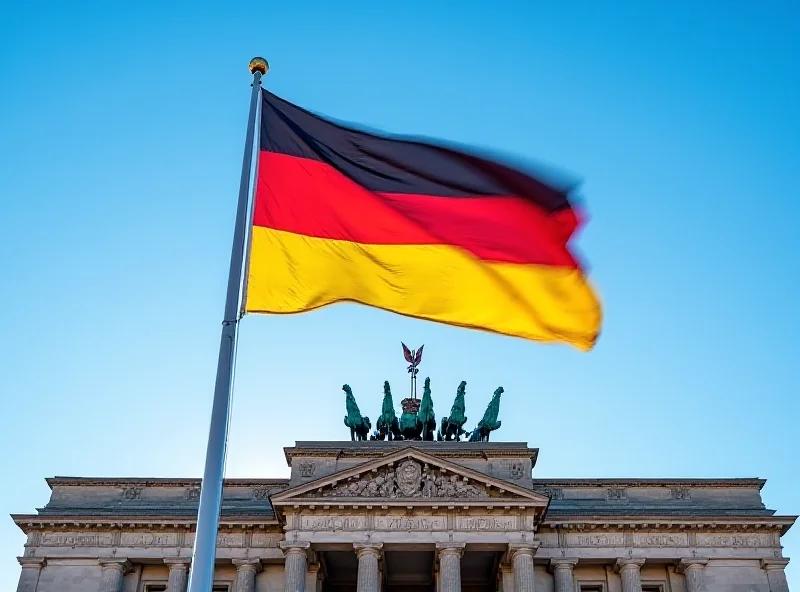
(409,477)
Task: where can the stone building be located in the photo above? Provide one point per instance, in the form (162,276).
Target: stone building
(410,517)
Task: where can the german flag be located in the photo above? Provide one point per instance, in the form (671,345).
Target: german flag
(410,227)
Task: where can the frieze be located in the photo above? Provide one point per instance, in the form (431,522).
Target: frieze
(235,539)
(661,540)
(413,523)
(596,540)
(149,539)
(333,523)
(264,540)
(486,523)
(548,539)
(76,540)
(735,540)
(409,480)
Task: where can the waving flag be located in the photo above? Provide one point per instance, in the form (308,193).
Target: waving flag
(413,228)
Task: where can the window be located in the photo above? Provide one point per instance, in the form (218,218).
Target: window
(592,588)
(220,588)
(652,588)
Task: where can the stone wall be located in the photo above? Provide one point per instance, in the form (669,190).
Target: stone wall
(82,575)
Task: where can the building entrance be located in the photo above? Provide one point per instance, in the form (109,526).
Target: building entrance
(412,570)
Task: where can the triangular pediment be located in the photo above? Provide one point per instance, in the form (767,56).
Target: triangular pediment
(409,476)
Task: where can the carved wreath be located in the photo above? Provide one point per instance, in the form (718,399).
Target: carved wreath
(410,479)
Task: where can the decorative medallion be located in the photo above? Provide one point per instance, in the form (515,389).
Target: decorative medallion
(307,468)
(409,477)
(132,493)
(192,493)
(261,493)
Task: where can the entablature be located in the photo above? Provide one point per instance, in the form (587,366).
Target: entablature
(32,522)
(408,479)
(780,524)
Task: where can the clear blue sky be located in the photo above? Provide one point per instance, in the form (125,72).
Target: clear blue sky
(122,126)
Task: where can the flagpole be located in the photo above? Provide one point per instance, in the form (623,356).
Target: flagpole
(201,576)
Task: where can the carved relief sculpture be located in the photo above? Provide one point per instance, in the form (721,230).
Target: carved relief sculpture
(409,480)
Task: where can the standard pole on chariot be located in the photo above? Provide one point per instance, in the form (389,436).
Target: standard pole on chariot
(414,358)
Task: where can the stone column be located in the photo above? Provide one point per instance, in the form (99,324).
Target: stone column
(692,570)
(178,573)
(629,573)
(507,577)
(246,570)
(450,566)
(776,574)
(29,578)
(314,577)
(368,556)
(295,566)
(522,560)
(113,572)
(562,574)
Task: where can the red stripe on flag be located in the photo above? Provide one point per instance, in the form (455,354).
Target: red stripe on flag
(312,198)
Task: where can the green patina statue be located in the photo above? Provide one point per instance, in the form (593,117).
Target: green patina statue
(387,424)
(489,422)
(410,423)
(359,426)
(418,420)
(451,426)
(426,414)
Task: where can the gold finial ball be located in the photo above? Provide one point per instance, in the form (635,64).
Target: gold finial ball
(259,65)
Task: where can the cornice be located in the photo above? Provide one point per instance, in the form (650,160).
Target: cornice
(714,523)
(156,482)
(31,522)
(410,504)
(372,450)
(747,482)
(537,483)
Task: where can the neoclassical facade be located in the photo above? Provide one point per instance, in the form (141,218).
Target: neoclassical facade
(381,516)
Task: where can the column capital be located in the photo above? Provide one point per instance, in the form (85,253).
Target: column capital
(37,562)
(690,563)
(563,563)
(623,563)
(373,549)
(295,548)
(178,562)
(774,563)
(247,564)
(523,548)
(450,548)
(118,563)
